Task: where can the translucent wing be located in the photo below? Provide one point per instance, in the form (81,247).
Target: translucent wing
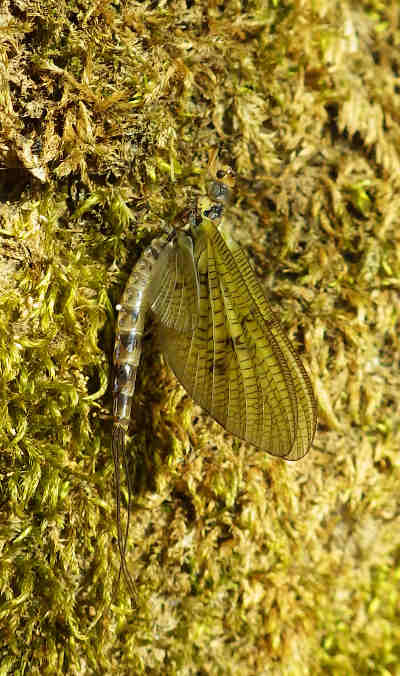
(236,361)
(175,289)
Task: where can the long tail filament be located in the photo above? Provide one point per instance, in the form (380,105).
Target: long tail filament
(119,452)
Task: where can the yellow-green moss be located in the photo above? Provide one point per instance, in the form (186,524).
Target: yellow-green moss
(243,564)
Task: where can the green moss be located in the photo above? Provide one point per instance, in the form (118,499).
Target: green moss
(242,563)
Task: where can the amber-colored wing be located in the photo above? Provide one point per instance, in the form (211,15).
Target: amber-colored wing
(174,289)
(235,360)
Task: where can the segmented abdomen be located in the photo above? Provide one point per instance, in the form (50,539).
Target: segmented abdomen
(133,307)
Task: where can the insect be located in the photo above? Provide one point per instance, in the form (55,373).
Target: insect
(219,335)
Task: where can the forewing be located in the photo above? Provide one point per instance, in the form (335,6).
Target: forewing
(285,384)
(174,291)
(237,362)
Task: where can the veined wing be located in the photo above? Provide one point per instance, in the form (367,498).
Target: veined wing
(237,362)
(174,290)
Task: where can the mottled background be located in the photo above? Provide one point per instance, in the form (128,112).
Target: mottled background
(243,564)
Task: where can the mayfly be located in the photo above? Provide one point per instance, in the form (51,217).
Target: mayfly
(219,335)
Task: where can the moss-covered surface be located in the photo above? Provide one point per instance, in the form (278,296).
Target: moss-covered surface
(243,564)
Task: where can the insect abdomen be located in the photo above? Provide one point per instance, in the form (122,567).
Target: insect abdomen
(133,307)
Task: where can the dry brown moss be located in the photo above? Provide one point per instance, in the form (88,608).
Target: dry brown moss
(243,564)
